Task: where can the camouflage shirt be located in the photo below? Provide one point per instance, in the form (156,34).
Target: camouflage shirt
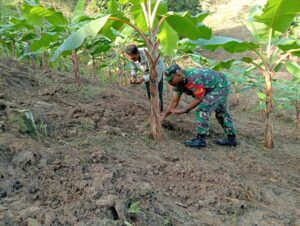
(199,81)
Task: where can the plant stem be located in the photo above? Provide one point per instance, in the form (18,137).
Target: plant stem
(269,143)
(74,58)
(297,106)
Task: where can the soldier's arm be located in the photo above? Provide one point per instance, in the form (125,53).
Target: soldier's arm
(198,91)
(193,104)
(173,104)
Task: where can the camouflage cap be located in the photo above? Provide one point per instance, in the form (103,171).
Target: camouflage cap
(171,71)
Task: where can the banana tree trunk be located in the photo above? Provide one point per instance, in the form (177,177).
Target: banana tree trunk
(156,128)
(74,58)
(94,67)
(45,63)
(124,69)
(32,62)
(13,48)
(120,66)
(268,143)
(297,114)
(238,97)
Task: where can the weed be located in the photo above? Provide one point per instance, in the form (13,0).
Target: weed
(134,207)
(167,222)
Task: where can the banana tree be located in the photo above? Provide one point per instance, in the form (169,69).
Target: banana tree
(15,33)
(95,49)
(43,20)
(240,78)
(52,27)
(269,25)
(155,25)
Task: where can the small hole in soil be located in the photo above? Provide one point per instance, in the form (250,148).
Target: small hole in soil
(2,107)
(114,213)
(133,218)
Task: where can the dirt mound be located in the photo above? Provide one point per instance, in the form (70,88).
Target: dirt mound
(93,162)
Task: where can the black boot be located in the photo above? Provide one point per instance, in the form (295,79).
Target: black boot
(229,141)
(198,142)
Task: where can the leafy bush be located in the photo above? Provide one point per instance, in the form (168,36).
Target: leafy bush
(192,6)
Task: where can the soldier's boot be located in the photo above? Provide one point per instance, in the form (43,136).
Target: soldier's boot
(197,142)
(229,141)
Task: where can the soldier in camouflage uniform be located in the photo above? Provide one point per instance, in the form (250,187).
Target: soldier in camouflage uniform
(209,89)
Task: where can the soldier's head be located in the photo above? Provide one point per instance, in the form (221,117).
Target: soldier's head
(174,75)
(132,52)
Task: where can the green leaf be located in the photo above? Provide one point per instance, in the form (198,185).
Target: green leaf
(294,69)
(279,14)
(125,34)
(108,31)
(138,14)
(28,37)
(199,17)
(36,14)
(289,44)
(248,60)
(184,24)
(231,45)
(278,66)
(99,41)
(101,48)
(134,2)
(113,7)
(19,23)
(259,30)
(78,11)
(43,42)
(201,60)
(223,65)
(261,95)
(168,40)
(134,207)
(57,29)
(139,17)
(75,40)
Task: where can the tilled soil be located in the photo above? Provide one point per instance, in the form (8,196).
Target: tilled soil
(93,162)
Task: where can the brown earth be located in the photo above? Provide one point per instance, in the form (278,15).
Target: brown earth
(93,162)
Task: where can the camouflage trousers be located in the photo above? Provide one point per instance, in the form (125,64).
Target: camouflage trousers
(216,100)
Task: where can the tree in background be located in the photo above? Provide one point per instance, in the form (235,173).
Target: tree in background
(192,6)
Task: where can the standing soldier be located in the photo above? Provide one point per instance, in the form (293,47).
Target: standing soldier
(209,89)
(139,62)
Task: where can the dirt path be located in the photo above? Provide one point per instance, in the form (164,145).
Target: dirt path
(94,163)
